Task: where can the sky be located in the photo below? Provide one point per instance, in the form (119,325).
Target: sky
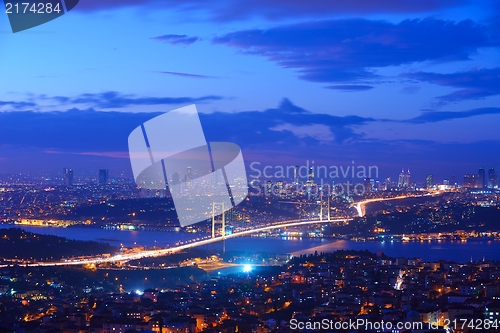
(393,84)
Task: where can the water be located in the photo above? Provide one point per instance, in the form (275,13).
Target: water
(433,250)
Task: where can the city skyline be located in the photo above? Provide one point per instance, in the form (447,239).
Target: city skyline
(291,176)
(210,166)
(420,89)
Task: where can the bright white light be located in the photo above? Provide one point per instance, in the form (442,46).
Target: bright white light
(138,292)
(247,268)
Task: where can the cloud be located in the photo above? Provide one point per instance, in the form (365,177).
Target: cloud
(440,129)
(176,39)
(318,132)
(473,84)
(286,126)
(17,105)
(437,116)
(285,135)
(74,130)
(112,99)
(350,87)
(219,10)
(192,76)
(285,8)
(93,132)
(111,154)
(350,50)
(283,128)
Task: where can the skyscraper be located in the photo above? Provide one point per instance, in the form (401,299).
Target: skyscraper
(492,178)
(401,179)
(67,176)
(189,175)
(407,179)
(368,185)
(296,175)
(103,176)
(481,178)
(310,178)
(429,182)
(387,184)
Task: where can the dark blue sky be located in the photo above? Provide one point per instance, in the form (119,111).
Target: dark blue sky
(395,83)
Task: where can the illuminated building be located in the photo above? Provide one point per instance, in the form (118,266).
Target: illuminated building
(429,181)
(492,178)
(388,184)
(481,178)
(67,176)
(368,185)
(404,179)
(269,187)
(453,181)
(401,179)
(400,280)
(470,180)
(310,178)
(103,176)
(232,215)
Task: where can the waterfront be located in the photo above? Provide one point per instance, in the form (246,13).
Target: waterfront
(461,251)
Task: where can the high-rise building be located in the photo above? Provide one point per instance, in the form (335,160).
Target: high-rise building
(401,179)
(470,180)
(269,187)
(279,187)
(176,179)
(103,176)
(67,176)
(429,181)
(453,181)
(407,179)
(387,184)
(368,185)
(492,178)
(296,175)
(481,178)
(310,178)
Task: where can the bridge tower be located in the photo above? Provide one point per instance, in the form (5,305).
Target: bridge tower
(321,207)
(223,222)
(329,215)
